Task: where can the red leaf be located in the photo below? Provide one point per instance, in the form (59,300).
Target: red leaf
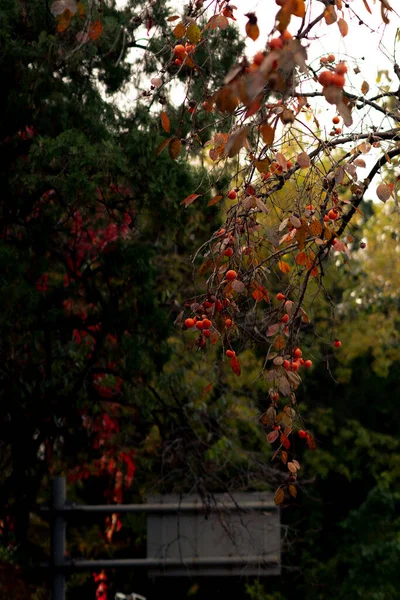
(285,441)
(235,364)
(95,31)
(165,122)
(272,436)
(260,293)
(189,199)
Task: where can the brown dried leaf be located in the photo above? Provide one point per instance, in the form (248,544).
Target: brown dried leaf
(262,165)
(279,496)
(303,160)
(273,436)
(279,342)
(284,266)
(330,15)
(284,456)
(365,87)
(165,122)
(267,134)
(162,146)
(343,27)
(260,204)
(284,386)
(179,31)
(359,162)
(273,329)
(383,192)
(238,286)
(235,142)
(214,200)
(174,148)
(189,199)
(281,160)
(292,490)
(64,21)
(367,7)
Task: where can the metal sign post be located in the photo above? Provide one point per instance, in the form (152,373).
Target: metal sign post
(183,536)
(58,538)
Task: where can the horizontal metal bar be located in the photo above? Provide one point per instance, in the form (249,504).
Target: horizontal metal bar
(161,508)
(165,563)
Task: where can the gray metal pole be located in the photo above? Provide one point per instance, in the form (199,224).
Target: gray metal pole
(58,539)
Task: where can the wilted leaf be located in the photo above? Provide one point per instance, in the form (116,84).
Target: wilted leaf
(208,264)
(179,31)
(364,147)
(315,228)
(165,122)
(365,87)
(252,30)
(273,329)
(281,160)
(293,378)
(95,30)
(339,175)
(284,456)
(263,207)
(214,200)
(81,10)
(59,6)
(189,199)
(221,22)
(301,258)
(291,467)
(279,342)
(367,7)
(284,266)
(267,134)
(343,27)
(359,162)
(284,386)
(64,21)
(235,364)
(207,389)
(273,436)
(278,361)
(383,192)
(279,496)
(260,293)
(330,15)
(238,286)
(174,148)
(295,221)
(303,160)
(262,165)
(162,146)
(193,33)
(284,440)
(82,37)
(311,442)
(292,490)
(173,18)
(235,142)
